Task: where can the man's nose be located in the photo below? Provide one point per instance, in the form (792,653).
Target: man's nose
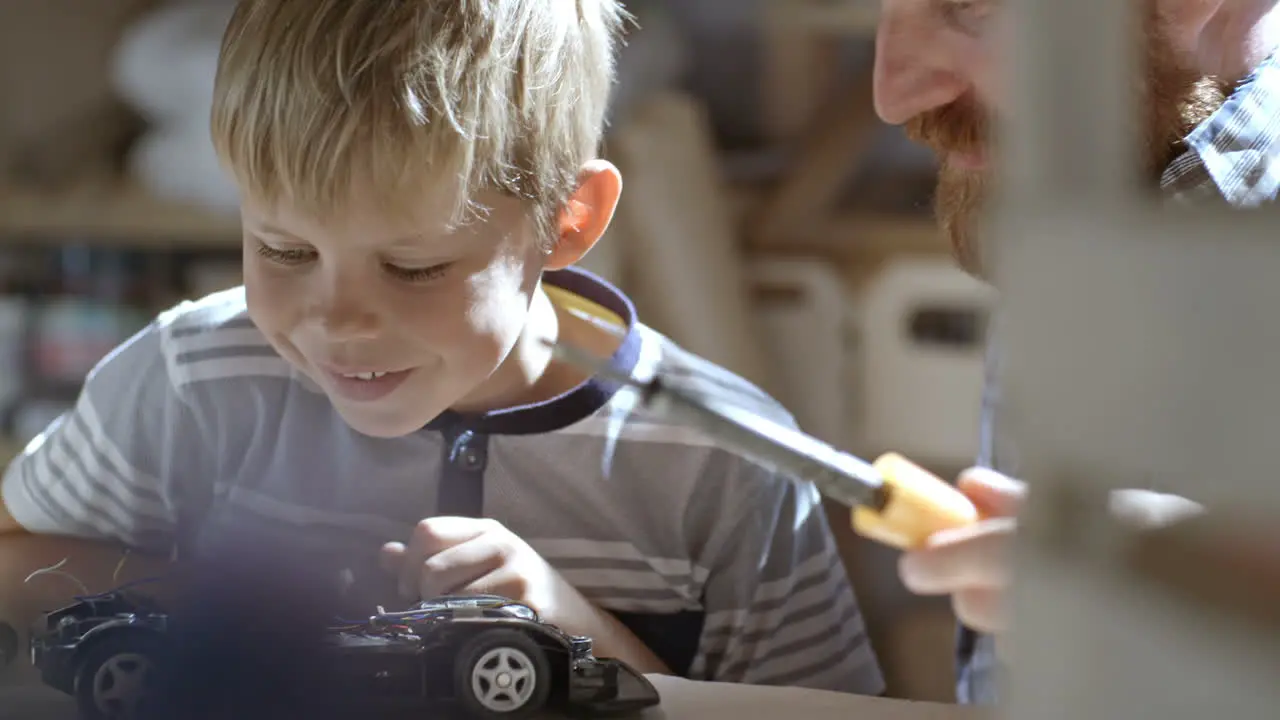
(912,75)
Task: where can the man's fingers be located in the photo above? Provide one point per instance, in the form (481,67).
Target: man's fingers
(981,609)
(994,494)
(1146,510)
(968,557)
(454,569)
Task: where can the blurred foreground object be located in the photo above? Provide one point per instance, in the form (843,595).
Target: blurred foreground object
(164,67)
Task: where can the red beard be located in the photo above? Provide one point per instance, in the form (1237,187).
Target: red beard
(1177,98)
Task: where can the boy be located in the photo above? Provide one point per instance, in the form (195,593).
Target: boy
(417,179)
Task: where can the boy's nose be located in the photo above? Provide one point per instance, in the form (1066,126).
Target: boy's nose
(347,317)
(912,76)
(350,324)
(345,326)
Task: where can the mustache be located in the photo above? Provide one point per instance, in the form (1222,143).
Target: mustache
(962,126)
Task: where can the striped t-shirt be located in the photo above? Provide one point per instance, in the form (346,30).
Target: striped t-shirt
(195,431)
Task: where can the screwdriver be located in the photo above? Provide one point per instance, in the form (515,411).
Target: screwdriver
(895,502)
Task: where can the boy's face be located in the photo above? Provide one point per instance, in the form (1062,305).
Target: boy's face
(432,313)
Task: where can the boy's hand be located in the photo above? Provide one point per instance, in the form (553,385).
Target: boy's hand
(459,555)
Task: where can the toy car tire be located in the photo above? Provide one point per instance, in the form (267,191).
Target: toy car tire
(8,644)
(502,674)
(116,674)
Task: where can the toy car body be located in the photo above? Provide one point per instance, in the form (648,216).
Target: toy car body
(490,657)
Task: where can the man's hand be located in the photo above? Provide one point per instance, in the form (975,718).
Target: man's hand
(458,555)
(972,564)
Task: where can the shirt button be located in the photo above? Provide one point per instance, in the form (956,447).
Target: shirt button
(471,459)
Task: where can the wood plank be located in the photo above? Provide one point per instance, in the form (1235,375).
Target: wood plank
(690,699)
(102,211)
(846,236)
(798,78)
(834,17)
(827,159)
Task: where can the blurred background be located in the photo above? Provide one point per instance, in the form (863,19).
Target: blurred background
(769,222)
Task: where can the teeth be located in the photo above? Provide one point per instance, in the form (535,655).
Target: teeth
(365,376)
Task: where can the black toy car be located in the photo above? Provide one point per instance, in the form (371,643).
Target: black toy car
(485,655)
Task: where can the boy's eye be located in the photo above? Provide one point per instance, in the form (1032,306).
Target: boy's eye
(422,274)
(298,256)
(291,256)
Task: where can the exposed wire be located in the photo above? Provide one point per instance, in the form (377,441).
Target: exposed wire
(126,586)
(115,576)
(56,569)
(85,593)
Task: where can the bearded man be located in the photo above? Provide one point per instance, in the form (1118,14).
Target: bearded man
(1211,96)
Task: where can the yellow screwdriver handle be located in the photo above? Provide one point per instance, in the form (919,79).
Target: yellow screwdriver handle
(918,504)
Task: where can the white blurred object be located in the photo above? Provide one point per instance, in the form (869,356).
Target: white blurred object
(921,359)
(179,163)
(803,313)
(211,276)
(165,62)
(164,68)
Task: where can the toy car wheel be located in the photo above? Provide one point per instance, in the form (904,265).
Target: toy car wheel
(502,674)
(117,678)
(8,644)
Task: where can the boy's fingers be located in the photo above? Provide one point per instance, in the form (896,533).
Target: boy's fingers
(434,534)
(955,560)
(430,536)
(391,556)
(503,581)
(455,568)
(994,494)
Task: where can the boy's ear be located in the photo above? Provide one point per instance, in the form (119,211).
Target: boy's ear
(586,214)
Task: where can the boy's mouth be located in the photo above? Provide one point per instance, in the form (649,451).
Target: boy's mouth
(364,375)
(366,385)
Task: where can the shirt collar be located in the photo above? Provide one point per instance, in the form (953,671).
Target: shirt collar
(1236,151)
(578,403)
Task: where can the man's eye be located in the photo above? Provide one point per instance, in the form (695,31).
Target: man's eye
(292,256)
(424,274)
(970,17)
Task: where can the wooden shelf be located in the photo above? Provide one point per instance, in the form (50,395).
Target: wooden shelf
(112,213)
(825,17)
(10,448)
(854,236)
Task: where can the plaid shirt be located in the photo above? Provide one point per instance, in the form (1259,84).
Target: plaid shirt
(1233,158)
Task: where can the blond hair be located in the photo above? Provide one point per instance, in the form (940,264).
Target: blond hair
(313,96)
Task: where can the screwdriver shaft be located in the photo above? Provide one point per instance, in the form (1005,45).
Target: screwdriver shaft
(838,475)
